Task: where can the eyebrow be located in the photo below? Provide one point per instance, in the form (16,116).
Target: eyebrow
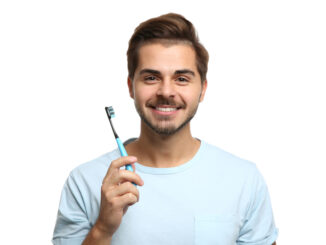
(177,72)
(184,71)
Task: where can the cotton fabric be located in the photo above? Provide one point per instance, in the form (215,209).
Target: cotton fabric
(215,198)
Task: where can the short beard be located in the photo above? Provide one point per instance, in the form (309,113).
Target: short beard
(165,131)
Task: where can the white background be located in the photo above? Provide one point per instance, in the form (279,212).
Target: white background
(62,62)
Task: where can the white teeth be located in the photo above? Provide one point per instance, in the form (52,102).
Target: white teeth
(165,109)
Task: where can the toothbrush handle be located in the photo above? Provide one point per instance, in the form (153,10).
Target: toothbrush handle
(123,153)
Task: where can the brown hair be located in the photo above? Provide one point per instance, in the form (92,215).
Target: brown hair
(166,29)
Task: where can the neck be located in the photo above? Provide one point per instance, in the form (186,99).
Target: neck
(162,151)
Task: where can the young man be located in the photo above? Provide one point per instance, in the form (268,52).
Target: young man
(188,192)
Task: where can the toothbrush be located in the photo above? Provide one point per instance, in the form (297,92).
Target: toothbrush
(110,112)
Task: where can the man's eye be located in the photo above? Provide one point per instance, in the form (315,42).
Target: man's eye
(182,79)
(150,78)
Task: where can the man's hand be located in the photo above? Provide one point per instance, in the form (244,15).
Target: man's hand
(117,194)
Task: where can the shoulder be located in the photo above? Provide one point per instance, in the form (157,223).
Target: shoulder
(227,161)
(224,166)
(94,169)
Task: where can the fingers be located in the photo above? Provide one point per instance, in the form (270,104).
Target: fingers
(133,167)
(124,189)
(121,196)
(118,163)
(128,199)
(116,176)
(125,176)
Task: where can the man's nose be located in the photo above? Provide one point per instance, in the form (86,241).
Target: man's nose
(166,88)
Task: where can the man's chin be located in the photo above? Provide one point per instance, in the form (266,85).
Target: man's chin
(162,130)
(167,130)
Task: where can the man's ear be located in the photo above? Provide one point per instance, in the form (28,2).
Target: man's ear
(203,91)
(130,87)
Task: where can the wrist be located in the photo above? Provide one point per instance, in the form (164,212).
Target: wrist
(97,236)
(100,233)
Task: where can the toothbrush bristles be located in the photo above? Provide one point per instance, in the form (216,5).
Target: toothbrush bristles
(110,111)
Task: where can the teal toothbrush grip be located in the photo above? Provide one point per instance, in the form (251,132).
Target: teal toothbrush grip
(123,153)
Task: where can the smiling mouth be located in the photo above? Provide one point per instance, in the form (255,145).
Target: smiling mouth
(166,109)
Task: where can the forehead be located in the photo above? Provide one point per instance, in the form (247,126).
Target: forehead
(166,57)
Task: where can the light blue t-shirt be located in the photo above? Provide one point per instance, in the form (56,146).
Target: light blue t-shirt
(215,198)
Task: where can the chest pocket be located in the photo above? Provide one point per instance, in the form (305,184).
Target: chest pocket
(216,230)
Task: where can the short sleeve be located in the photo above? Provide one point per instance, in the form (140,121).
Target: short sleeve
(259,227)
(72,225)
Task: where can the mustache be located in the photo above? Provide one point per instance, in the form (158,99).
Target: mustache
(164,102)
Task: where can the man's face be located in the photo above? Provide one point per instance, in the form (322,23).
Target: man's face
(166,88)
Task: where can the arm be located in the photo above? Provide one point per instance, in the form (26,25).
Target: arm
(259,226)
